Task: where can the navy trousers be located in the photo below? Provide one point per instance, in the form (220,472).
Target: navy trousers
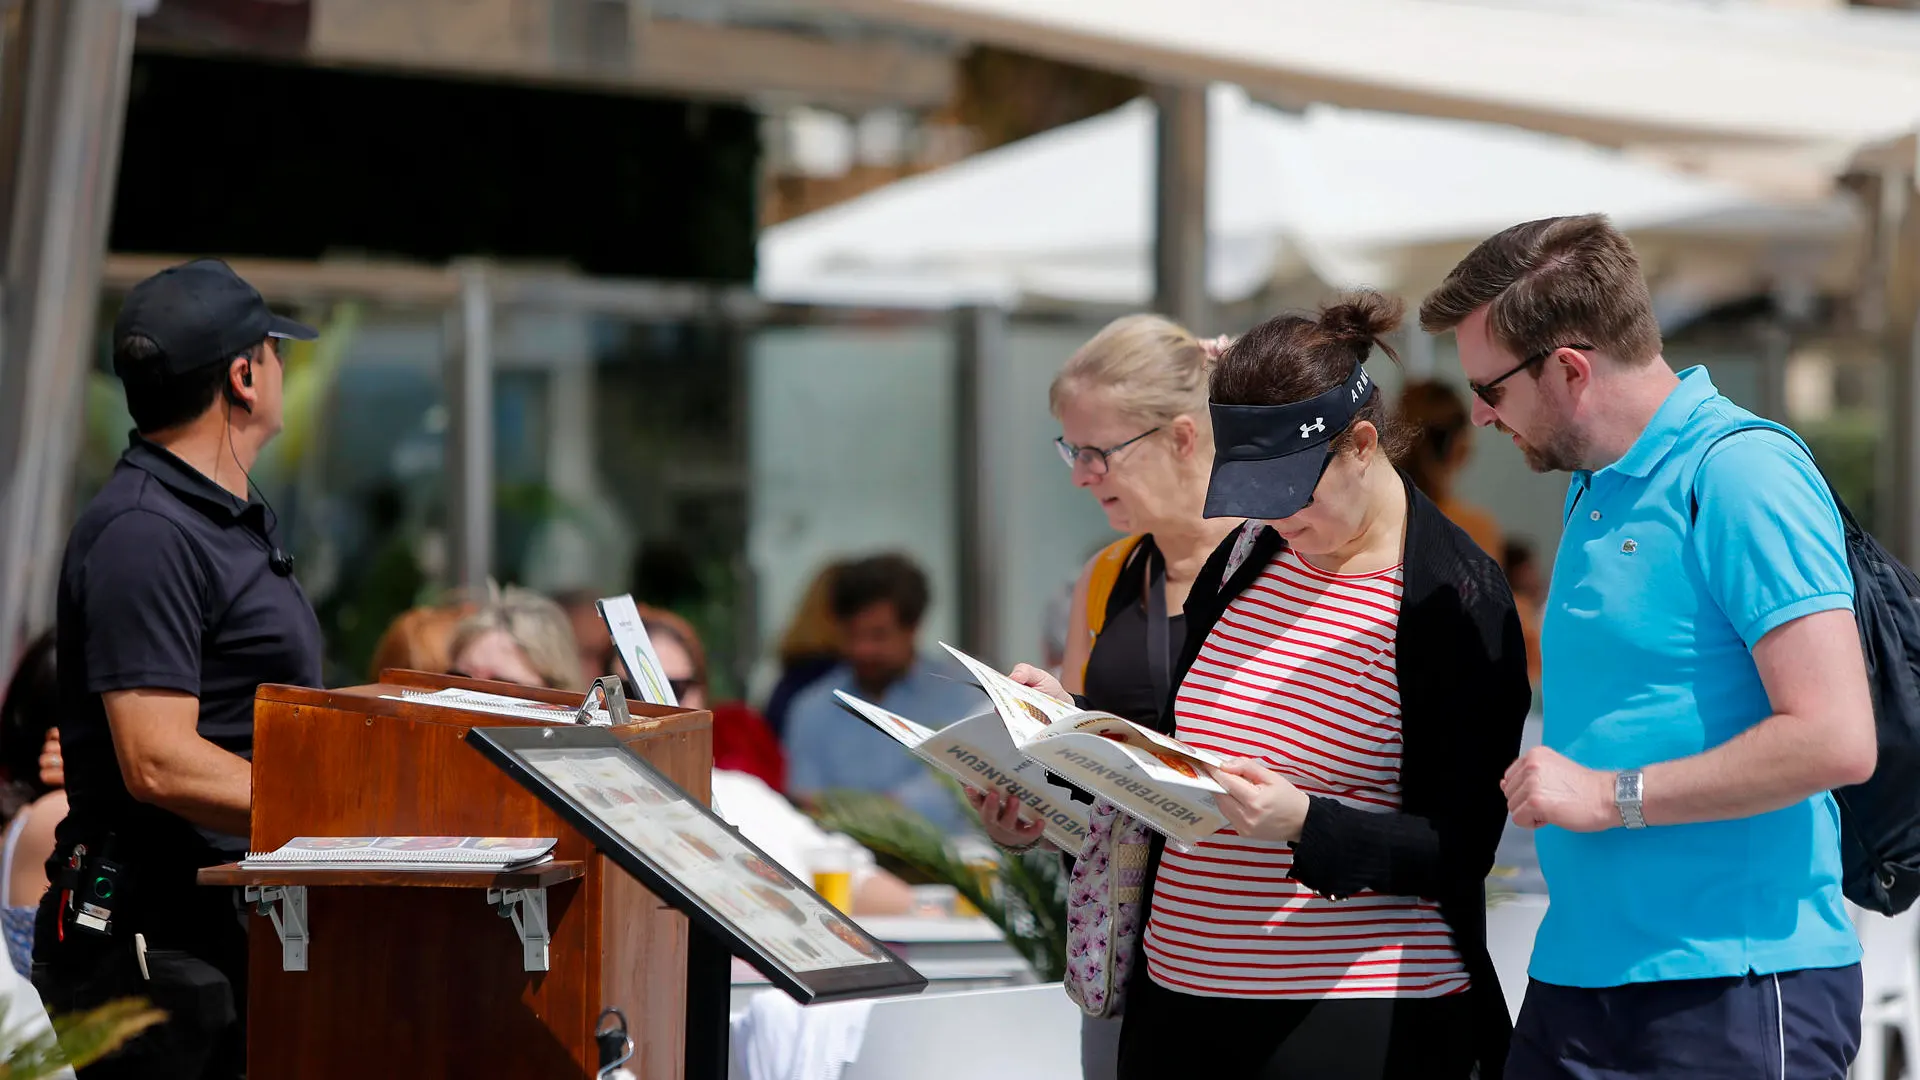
(1797,1025)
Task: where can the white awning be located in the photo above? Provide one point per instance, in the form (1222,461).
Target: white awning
(1339,196)
(1610,71)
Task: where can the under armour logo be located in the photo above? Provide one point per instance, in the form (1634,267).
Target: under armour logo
(1308,431)
(1359,387)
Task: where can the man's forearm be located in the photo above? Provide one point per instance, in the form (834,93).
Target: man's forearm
(1776,763)
(206,785)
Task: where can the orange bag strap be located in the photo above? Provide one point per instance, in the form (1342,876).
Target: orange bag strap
(1100,581)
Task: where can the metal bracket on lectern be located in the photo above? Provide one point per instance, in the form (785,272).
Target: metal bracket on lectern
(286,905)
(528,910)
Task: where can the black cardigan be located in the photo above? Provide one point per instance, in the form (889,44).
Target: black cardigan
(1464,696)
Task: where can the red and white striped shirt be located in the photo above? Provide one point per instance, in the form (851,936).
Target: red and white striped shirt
(1298,673)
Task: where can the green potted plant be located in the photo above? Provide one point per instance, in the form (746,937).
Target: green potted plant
(1025,896)
(79,1039)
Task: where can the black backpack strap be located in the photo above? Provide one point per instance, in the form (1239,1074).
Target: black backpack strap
(1693,495)
(1159,645)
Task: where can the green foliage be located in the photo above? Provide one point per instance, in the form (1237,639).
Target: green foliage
(1847,446)
(80,1039)
(1026,898)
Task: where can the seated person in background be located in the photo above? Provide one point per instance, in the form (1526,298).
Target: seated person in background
(742,741)
(1529,596)
(1440,450)
(594,645)
(35,775)
(878,603)
(421,639)
(746,801)
(809,649)
(518,636)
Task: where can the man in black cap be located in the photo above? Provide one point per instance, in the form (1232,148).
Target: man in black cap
(175,603)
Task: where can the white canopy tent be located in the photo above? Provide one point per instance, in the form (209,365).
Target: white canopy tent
(1780,100)
(1610,71)
(1330,196)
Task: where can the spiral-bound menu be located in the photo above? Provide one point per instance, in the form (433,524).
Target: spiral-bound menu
(494,853)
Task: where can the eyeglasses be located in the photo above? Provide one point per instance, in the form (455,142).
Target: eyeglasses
(1095,459)
(1490,392)
(680,687)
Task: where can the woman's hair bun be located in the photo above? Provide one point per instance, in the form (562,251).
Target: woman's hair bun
(1362,317)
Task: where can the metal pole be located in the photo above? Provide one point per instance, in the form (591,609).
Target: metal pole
(80,55)
(470,435)
(983,395)
(709,979)
(1180,206)
(1776,347)
(1901,209)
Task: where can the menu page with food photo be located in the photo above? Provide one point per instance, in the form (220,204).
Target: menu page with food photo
(978,752)
(1156,778)
(766,904)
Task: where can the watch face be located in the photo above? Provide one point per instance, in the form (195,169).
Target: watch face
(1626,787)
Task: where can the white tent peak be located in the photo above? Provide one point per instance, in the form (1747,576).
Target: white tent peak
(1340,194)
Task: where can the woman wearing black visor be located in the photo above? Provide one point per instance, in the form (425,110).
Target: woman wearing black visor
(1361,661)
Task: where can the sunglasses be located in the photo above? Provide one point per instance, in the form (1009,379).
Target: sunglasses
(680,688)
(1490,392)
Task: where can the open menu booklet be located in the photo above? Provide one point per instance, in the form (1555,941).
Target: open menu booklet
(1158,779)
(445,853)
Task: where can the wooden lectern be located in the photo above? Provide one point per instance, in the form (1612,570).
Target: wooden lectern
(439,974)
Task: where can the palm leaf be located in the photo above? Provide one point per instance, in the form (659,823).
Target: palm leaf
(80,1039)
(311,370)
(1026,898)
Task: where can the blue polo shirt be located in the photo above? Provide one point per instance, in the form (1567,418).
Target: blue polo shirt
(828,747)
(1646,657)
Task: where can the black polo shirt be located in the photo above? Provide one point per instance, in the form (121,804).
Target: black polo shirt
(166,585)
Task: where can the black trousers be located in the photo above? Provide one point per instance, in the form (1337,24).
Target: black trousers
(196,972)
(1167,1033)
(1802,1025)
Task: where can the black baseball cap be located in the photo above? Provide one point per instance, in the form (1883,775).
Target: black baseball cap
(201,313)
(1267,459)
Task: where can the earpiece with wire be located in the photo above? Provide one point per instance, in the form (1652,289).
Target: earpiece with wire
(279,561)
(233,396)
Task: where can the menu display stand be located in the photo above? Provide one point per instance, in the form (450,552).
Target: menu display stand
(378,972)
(684,853)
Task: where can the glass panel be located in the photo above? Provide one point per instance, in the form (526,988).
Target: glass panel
(1054,528)
(853,447)
(1837,390)
(356,476)
(619,457)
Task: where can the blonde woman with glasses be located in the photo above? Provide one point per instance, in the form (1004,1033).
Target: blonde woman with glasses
(518,636)
(1132,406)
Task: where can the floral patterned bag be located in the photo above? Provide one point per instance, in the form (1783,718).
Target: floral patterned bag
(1104,909)
(1105,906)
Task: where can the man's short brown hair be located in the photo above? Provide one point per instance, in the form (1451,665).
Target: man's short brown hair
(1553,282)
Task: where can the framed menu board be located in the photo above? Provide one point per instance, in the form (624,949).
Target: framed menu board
(681,851)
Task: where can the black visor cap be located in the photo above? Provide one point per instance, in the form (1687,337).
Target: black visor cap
(1267,459)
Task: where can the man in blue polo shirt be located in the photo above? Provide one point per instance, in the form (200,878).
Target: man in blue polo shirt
(1703,687)
(877,603)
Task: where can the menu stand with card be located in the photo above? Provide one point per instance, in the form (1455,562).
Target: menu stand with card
(738,900)
(374,971)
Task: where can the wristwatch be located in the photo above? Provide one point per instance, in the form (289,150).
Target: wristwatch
(1626,799)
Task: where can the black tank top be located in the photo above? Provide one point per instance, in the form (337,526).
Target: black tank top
(1119,677)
